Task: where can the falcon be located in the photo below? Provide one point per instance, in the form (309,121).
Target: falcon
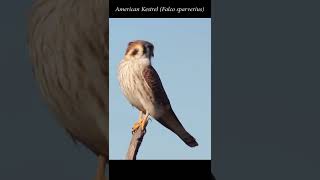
(141,85)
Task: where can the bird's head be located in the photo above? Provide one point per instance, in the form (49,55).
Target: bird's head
(139,49)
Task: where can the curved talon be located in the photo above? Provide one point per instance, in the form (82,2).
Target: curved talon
(134,130)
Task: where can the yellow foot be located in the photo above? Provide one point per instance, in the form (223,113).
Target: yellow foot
(136,126)
(140,123)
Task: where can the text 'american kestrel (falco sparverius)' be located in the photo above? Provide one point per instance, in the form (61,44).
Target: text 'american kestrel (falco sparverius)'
(141,85)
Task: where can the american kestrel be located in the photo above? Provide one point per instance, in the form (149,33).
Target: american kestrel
(141,85)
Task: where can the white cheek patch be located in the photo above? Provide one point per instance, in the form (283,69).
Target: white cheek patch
(144,61)
(139,54)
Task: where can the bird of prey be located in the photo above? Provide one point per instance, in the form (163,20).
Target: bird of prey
(68,42)
(142,87)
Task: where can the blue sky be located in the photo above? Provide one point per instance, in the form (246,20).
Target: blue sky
(183,62)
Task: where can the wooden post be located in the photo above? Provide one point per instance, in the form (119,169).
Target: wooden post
(135,143)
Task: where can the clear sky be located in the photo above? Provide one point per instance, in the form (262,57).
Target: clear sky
(183,62)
